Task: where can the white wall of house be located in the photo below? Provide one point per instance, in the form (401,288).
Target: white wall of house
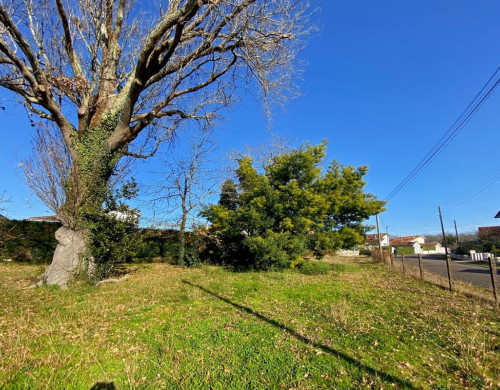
(384,241)
(440,250)
(347,253)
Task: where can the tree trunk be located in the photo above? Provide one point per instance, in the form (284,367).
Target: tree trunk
(68,257)
(182,241)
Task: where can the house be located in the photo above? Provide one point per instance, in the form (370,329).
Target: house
(48,218)
(130,216)
(408,248)
(3,218)
(408,244)
(488,232)
(372,239)
(407,240)
(432,248)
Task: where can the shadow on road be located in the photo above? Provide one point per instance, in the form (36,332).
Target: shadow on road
(401,383)
(477,271)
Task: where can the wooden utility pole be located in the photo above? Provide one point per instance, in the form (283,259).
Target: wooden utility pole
(493,273)
(379,239)
(442,230)
(448,258)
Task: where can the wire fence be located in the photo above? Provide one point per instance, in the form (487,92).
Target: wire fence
(468,277)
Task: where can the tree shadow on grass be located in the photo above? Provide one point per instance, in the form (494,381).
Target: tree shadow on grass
(401,383)
(103,386)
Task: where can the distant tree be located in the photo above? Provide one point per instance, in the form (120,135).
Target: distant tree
(187,180)
(7,231)
(48,169)
(3,201)
(269,219)
(466,241)
(450,238)
(229,195)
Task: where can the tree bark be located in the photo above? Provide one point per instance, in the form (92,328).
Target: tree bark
(68,257)
(182,241)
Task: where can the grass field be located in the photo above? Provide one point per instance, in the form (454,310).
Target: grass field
(359,326)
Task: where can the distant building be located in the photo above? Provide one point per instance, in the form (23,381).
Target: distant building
(407,240)
(130,216)
(486,232)
(408,248)
(432,248)
(498,215)
(372,239)
(3,218)
(47,218)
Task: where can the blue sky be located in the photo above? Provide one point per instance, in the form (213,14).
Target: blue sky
(383,81)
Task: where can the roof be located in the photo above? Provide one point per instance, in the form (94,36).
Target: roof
(498,215)
(489,231)
(47,218)
(374,237)
(404,240)
(3,217)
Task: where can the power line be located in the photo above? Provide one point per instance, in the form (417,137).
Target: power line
(484,188)
(451,133)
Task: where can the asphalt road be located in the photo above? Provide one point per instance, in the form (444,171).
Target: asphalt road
(465,271)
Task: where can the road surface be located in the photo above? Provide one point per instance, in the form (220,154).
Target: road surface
(465,271)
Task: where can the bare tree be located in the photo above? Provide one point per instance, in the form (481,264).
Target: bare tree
(3,200)
(118,77)
(48,169)
(6,230)
(186,183)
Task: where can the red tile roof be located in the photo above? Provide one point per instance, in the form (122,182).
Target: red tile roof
(488,231)
(404,240)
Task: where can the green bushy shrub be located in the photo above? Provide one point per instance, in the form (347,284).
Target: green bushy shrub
(272,216)
(308,267)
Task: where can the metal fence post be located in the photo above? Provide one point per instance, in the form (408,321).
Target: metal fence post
(404,265)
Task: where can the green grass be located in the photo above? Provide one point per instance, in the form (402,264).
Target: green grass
(358,326)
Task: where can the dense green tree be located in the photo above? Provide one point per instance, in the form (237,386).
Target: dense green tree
(276,216)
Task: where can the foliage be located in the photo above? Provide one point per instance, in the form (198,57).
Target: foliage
(309,267)
(405,250)
(185,182)
(365,251)
(269,219)
(27,241)
(112,232)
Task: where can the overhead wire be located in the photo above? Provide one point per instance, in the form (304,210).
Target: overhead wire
(451,133)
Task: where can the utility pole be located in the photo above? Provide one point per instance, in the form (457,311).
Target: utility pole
(442,230)
(378,234)
(456,231)
(448,258)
